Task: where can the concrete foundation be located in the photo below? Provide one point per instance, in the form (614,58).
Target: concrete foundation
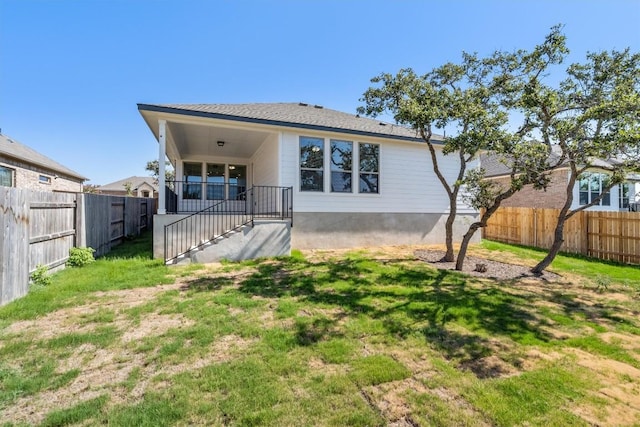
(264,239)
(323,230)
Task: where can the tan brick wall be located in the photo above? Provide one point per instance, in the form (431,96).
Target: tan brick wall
(28,176)
(553,198)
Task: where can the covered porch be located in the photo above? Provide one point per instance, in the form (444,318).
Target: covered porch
(226,177)
(215,158)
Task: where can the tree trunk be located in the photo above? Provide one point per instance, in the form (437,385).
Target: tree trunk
(558,240)
(462,253)
(448,227)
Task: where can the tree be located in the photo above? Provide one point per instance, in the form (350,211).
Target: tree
(474,97)
(128,187)
(454,95)
(592,115)
(90,188)
(154,167)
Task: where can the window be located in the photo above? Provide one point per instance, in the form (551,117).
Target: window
(192,188)
(311,164)
(6,177)
(145,194)
(623,195)
(237,182)
(215,182)
(590,187)
(43,179)
(369,168)
(341,166)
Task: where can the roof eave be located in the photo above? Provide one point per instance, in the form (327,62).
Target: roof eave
(171,110)
(69,173)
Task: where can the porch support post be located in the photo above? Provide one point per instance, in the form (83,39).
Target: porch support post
(162,155)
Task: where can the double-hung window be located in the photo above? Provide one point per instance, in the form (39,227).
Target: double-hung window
(623,195)
(311,164)
(369,168)
(341,166)
(591,185)
(6,177)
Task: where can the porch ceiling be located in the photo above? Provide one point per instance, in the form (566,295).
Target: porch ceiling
(193,140)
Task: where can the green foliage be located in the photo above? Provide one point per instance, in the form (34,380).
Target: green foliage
(154,168)
(79,257)
(40,276)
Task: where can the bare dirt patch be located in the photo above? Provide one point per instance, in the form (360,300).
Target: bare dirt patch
(620,388)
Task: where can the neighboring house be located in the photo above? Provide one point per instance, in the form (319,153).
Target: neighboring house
(347,181)
(623,197)
(23,167)
(140,186)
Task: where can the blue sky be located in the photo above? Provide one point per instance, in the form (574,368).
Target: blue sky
(72,71)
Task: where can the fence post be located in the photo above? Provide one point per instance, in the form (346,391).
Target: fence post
(81,225)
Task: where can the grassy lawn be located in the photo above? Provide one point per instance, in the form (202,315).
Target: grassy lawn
(370,337)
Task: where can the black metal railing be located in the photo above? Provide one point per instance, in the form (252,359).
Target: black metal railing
(190,196)
(224,217)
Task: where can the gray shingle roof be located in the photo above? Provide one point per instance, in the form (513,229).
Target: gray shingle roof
(11,148)
(135,181)
(495,165)
(297,115)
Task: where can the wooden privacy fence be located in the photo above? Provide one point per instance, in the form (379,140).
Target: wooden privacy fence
(611,236)
(39,228)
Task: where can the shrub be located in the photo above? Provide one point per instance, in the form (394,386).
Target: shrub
(40,276)
(80,256)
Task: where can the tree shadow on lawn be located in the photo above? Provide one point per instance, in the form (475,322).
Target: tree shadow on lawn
(595,311)
(456,314)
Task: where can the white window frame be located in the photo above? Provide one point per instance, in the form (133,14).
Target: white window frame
(589,178)
(321,170)
(44,179)
(336,170)
(361,172)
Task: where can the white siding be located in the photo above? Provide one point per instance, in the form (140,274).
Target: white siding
(265,162)
(407,181)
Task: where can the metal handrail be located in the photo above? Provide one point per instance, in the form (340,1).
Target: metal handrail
(217,221)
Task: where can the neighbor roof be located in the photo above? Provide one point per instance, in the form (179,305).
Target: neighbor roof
(135,181)
(11,148)
(495,166)
(297,115)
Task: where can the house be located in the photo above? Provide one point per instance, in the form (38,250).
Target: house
(340,179)
(23,167)
(622,197)
(137,186)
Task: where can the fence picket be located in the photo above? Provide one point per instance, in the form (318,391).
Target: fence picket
(613,236)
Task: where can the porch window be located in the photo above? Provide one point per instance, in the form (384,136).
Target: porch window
(237,182)
(369,168)
(215,181)
(341,166)
(623,195)
(192,188)
(591,186)
(311,164)
(6,177)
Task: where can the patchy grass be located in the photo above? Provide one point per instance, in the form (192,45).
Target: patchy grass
(369,337)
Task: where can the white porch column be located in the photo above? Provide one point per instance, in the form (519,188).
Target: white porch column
(162,155)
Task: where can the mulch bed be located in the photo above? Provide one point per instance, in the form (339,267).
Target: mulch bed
(494,269)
